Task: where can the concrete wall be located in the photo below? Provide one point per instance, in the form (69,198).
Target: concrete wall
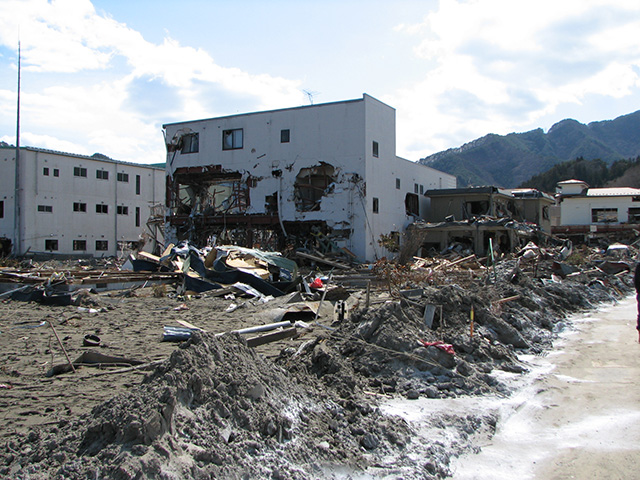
(340,134)
(577,210)
(41,187)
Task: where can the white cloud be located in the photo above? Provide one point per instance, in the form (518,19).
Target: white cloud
(68,37)
(493,55)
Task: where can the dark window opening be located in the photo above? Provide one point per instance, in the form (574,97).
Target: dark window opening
(476,208)
(45,171)
(634,215)
(397,184)
(79,245)
(137,216)
(412,204)
(137,184)
(102,174)
(271,204)
(232,139)
(79,207)
(102,208)
(190,143)
(604,215)
(1,208)
(56,172)
(45,208)
(102,245)
(285,136)
(51,245)
(123,177)
(122,210)
(79,172)
(311,185)
(376,205)
(421,189)
(375,149)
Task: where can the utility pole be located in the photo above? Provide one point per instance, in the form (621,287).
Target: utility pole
(17,240)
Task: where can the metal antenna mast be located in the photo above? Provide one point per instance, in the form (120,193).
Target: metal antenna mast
(16,198)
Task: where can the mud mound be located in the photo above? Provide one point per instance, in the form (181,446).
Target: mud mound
(215,409)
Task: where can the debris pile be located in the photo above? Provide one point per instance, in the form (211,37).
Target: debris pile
(305,404)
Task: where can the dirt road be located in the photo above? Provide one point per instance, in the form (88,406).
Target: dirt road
(580,416)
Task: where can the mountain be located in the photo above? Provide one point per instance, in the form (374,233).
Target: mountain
(509,160)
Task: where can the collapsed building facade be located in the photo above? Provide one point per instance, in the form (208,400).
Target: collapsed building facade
(319,175)
(474,218)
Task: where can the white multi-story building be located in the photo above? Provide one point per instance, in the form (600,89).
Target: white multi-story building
(327,172)
(74,204)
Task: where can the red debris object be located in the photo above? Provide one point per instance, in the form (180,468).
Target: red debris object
(447,347)
(317,283)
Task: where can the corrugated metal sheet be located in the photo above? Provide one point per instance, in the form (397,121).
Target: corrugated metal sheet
(613,192)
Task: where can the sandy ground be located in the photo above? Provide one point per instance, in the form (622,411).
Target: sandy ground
(580,415)
(129,327)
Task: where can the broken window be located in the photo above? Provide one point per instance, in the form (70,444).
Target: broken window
(412,204)
(232,139)
(477,208)
(211,193)
(190,143)
(102,245)
(311,185)
(604,215)
(271,204)
(51,245)
(634,215)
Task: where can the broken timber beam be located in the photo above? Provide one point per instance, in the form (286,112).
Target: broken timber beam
(271,337)
(322,260)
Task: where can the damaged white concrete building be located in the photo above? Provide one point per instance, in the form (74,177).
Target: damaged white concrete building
(319,175)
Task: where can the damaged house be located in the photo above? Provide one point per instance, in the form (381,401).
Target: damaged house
(476,217)
(321,176)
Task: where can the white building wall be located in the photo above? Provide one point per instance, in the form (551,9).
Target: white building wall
(58,193)
(577,210)
(340,134)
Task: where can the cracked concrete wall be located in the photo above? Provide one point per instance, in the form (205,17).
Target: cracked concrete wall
(272,148)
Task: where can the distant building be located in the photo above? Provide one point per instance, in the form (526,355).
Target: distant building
(74,204)
(593,211)
(325,173)
(475,217)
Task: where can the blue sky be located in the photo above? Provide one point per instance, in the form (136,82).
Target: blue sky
(103,76)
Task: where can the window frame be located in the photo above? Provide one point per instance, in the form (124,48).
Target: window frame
(100,244)
(122,177)
(604,215)
(80,172)
(45,171)
(190,143)
(102,208)
(51,244)
(122,210)
(233,134)
(45,209)
(80,207)
(79,243)
(285,135)
(102,174)
(375,149)
(376,205)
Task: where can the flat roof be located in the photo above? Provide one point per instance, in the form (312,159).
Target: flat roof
(364,95)
(613,192)
(87,157)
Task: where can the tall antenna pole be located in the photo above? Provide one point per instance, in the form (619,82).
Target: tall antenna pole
(16,218)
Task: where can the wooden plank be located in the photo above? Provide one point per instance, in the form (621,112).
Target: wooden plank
(322,260)
(271,337)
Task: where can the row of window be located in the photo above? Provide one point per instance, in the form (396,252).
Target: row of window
(416,188)
(610,215)
(100,175)
(51,245)
(234,140)
(100,208)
